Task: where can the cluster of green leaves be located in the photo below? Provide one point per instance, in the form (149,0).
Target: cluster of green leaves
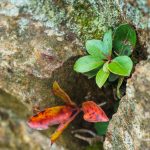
(109,58)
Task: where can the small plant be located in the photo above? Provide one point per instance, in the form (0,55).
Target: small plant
(63,115)
(109,58)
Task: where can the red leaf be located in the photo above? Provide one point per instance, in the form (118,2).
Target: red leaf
(93,113)
(50,116)
(63,126)
(58,91)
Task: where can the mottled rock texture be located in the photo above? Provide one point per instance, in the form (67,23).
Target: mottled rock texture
(41,39)
(129,128)
(15,135)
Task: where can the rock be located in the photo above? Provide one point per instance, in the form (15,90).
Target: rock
(37,38)
(29,55)
(15,134)
(129,127)
(39,43)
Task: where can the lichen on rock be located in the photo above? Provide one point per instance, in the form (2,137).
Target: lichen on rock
(88,19)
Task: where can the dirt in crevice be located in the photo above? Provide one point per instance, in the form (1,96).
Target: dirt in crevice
(140,51)
(79,87)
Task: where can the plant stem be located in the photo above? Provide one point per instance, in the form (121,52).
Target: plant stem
(118,87)
(102,104)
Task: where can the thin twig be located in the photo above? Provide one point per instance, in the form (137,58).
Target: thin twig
(102,104)
(84,131)
(89,140)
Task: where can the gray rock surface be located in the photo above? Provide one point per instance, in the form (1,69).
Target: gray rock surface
(129,128)
(15,134)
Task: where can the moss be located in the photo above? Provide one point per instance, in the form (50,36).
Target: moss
(88,19)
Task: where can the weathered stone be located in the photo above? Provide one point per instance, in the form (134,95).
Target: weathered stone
(29,55)
(129,127)
(42,36)
(39,36)
(15,135)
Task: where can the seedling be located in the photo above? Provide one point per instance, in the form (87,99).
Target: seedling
(63,115)
(108,59)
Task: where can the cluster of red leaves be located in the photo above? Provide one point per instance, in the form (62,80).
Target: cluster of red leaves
(63,115)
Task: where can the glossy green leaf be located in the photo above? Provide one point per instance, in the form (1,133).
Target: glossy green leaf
(95,47)
(105,67)
(92,73)
(124,39)
(101,77)
(101,128)
(122,49)
(107,40)
(87,63)
(121,65)
(112,77)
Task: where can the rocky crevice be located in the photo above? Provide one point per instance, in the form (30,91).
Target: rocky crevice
(39,43)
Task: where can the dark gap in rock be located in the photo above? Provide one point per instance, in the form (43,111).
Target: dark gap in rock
(140,51)
(80,89)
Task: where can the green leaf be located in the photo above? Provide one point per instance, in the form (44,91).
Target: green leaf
(122,49)
(125,33)
(120,81)
(124,39)
(101,127)
(92,73)
(87,63)
(101,77)
(105,67)
(107,40)
(99,48)
(112,77)
(94,48)
(121,65)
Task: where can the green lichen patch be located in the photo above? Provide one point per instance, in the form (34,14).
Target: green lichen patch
(88,19)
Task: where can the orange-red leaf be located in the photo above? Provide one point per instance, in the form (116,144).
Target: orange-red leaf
(62,94)
(50,116)
(63,126)
(93,113)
